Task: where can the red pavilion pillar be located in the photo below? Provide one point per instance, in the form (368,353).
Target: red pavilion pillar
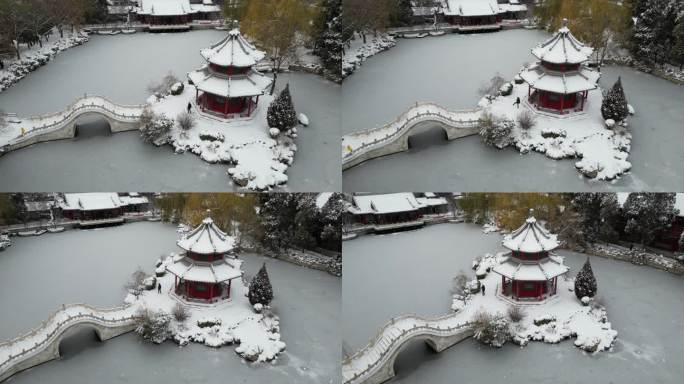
(561,105)
(230,282)
(187,289)
(211,292)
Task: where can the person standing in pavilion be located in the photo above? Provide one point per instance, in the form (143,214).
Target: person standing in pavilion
(517,102)
(483,289)
(159,288)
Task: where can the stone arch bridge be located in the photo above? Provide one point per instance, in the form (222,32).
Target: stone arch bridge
(42,343)
(374,363)
(393,137)
(62,124)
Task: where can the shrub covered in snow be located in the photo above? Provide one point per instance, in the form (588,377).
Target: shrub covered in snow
(163,87)
(614,105)
(460,282)
(526,119)
(515,313)
(135,284)
(211,136)
(260,290)
(491,329)
(154,326)
(496,132)
(186,121)
(491,88)
(154,128)
(180,313)
(281,112)
(585,282)
(274,132)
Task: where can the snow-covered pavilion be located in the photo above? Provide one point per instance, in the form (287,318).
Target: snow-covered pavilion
(475,14)
(560,81)
(530,272)
(203,273)
(228,85)
(166,14)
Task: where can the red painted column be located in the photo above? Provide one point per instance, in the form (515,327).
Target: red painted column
(226,102)
(187,289)
(503,285)
(561,106)
(211,293)
(230,282)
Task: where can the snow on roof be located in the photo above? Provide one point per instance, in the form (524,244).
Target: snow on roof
(570,82)
(544,270)
(563,47)
(386,203)
(206,238)
(252,84)
(234,50)
(133,200)
(431,201)
(471,8)
(531,237)
(91,201)
(322,199)
(165,7)
(39,206)
(513,7)
(215,272)
(205,7)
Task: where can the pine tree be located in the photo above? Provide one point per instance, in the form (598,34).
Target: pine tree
(329,43)
(585,282)
(614,105)
(677,53)
(281,112)
(681,242)
(598,214)
(260,290)
(647,214)
(402,14)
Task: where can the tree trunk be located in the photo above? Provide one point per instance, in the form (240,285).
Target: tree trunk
(276,67)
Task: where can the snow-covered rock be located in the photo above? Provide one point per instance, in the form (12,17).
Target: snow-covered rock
(630,109)
(303,119)
(177,88)
(610,123)
(274,132)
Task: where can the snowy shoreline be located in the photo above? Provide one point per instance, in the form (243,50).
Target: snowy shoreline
(557,318)
(232,322)
(16,70)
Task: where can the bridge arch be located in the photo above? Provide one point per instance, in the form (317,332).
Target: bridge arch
(79,122)
(430,340)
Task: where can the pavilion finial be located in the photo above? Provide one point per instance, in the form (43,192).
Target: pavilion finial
(531,212)
(564,22)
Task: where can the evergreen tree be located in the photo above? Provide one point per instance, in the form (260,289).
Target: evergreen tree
(647,214)
(677,54)
(330,40)
(281,112)
(277,214)
(402,14)
(653,36)
(585,282)
(599,213)
(614,105)
(260,290)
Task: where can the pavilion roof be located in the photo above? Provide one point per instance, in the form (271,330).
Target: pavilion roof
(531,237)
(216,272)
(560,82)
(562,48)
(385,203)
(234,50)
(545,269)
(206,238)
(471,8)
(91,201)
(251,84)
(165,7)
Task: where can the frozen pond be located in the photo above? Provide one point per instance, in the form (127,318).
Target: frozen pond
(448,70)
(120,68)
(411,272)
(91,266)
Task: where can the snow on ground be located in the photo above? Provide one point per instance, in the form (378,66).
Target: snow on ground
(257,334)
(560,317)
(490,228)
(258,161)
(35,57)
(358,52)
(602,152)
